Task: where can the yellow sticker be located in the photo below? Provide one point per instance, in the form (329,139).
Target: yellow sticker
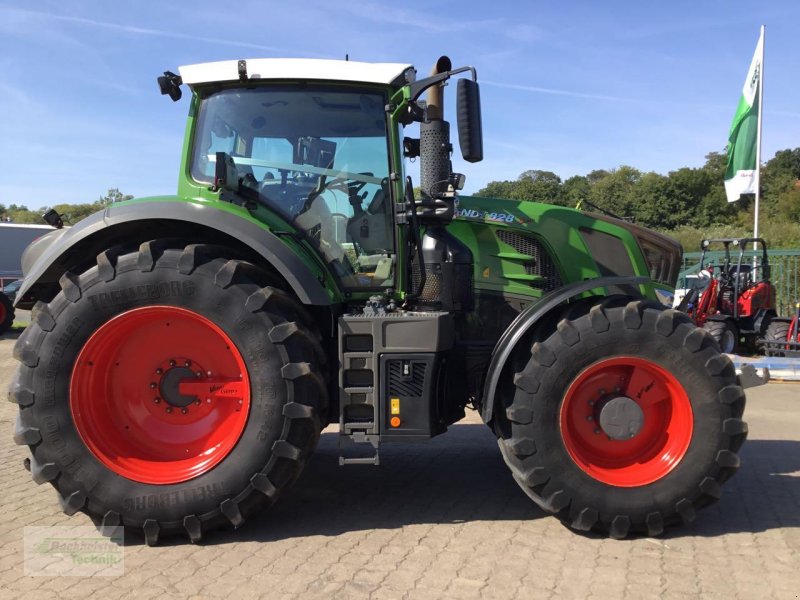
(395,406)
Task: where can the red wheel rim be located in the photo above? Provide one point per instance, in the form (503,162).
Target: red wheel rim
(160,394)
(665,433)
(3,313)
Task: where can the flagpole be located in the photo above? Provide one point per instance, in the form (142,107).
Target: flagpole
(758,138)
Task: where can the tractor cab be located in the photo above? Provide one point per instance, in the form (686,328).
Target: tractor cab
(316,145)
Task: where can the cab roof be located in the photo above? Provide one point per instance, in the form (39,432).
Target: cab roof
(297,68)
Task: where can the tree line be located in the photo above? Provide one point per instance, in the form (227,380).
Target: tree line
(688,203)
(72,213)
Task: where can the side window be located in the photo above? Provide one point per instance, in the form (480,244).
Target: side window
(319,158)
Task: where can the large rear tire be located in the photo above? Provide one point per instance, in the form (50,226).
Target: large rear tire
(6,313)
(625,420)
(777,331)
(169,391)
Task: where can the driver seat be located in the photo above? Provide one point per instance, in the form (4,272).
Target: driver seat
(371,229)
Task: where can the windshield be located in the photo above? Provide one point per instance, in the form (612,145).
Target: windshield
(319,157)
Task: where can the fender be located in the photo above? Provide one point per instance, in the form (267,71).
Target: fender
(41,261)
(721,318)
(764,317)
(528,318)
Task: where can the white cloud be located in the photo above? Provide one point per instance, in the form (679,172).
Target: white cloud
(144,31)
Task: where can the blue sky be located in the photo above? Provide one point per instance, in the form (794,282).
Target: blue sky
(566,86)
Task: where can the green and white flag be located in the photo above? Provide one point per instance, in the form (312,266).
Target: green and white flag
(741,176)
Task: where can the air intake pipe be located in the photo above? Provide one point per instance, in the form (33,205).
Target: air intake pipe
(434,137)
(441,273)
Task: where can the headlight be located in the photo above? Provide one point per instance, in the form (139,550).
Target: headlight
(662,261)
(666,297)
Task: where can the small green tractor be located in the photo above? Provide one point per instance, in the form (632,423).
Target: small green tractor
(186,351)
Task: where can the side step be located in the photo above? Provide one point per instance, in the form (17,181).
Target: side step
(359,438)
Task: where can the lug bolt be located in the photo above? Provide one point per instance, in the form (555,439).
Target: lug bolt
(172,363)
(591,402)
(199,374)
(208,373)
(156,400)
(240,401)
(208,400)
(589,418)
(169,409)
(187,363)
(602,392)
(159,371)
(153,385)
(197,402)
(617,390)
(184,410)
(596,431)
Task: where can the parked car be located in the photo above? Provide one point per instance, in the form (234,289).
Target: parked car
(10,289)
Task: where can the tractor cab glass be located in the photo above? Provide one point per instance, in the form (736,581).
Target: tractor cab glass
(319,157)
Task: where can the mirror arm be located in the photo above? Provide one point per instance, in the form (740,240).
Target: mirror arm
(420,86)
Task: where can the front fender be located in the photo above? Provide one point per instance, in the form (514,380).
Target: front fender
(528,318)
(44,261)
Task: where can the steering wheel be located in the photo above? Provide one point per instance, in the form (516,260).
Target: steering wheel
(352,185)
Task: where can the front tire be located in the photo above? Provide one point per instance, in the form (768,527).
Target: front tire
(625,420)
(725,333)
(169,391)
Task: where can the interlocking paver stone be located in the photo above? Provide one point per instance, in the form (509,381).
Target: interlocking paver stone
(442,520)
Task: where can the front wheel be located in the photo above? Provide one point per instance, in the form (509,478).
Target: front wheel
(168,391)
(625,420)
(725,333)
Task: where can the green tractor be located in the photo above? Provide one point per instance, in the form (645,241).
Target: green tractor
(186,351)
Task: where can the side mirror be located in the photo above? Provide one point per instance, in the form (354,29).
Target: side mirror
(470,131)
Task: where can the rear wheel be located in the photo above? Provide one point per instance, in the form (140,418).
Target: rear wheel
(725,333)
(777,331)
(6,313)
(168,390)
(625,420)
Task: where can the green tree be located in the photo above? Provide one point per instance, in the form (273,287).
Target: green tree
(575,189)
(614,192)
(498,189)
(538,186)
(653,202)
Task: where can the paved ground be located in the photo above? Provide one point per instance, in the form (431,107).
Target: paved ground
(444,519)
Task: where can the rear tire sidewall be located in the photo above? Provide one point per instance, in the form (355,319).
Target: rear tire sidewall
(777,331)
(101,301)
(571,361)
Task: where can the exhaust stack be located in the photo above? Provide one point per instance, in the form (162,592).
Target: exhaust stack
(434,136)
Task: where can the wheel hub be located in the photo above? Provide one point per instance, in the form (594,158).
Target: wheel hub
(169,384)
(621,418)
(626,421)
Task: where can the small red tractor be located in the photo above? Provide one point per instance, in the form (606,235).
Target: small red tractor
(739,301)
